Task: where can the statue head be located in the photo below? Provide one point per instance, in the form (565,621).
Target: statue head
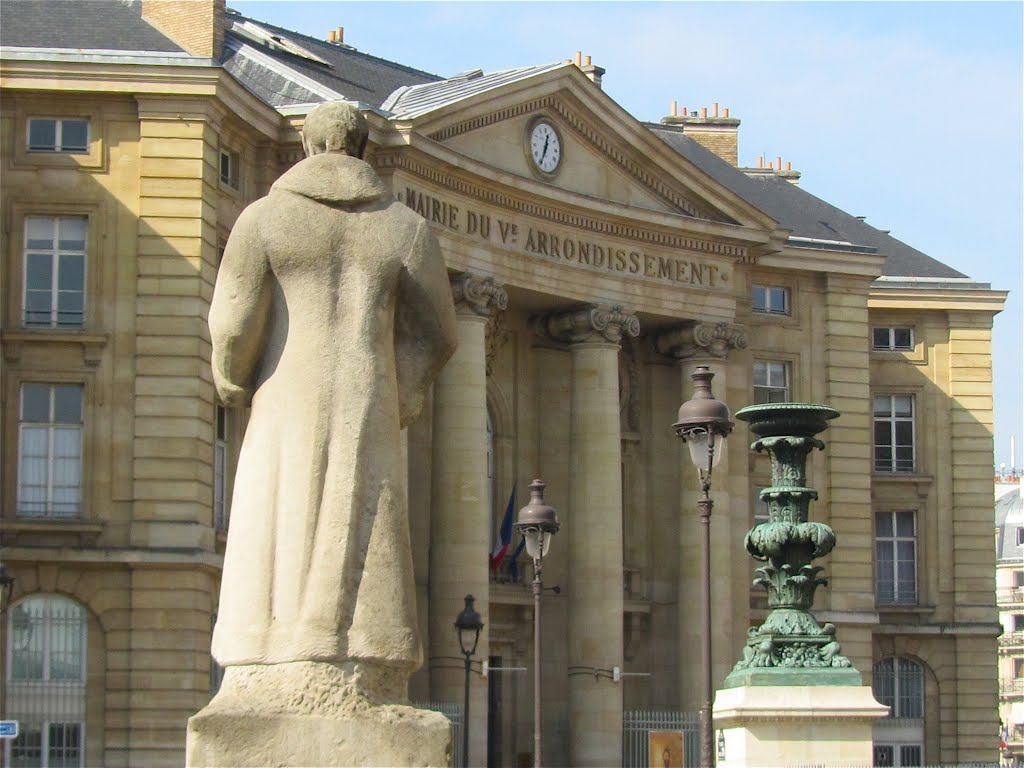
(335,126)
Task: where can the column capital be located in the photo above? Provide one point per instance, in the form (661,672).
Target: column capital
(699,339)
(478,295)
(597,322)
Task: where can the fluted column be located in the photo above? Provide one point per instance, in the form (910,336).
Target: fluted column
(593,529)
(460,523)
(692,344)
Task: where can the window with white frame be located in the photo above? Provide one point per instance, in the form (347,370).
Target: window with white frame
(899,738)
(46,675)
(50,451)
(771,299)
(221,501)
(896,558)
(54,295)
(894,433)
(892,338)
(49,134)
(771,382)
(229,169)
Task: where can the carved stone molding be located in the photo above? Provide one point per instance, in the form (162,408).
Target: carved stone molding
(476,295)
(593,323)
(697,339)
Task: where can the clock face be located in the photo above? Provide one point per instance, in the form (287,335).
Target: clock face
(545,147)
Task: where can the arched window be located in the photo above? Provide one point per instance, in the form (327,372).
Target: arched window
(898,683)
(46,676)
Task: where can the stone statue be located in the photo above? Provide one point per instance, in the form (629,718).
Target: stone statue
(332,314)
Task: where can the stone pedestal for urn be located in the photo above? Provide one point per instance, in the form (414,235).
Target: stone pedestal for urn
(793,699)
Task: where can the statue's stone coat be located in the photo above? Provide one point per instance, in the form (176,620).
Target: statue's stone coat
(333,312)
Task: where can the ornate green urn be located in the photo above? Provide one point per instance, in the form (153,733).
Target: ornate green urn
(790,647)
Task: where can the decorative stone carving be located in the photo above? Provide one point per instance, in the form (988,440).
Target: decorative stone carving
(699,339)
(478,295)
(593,323)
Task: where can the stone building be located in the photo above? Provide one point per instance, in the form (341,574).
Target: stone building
(589,282)
(1010,600)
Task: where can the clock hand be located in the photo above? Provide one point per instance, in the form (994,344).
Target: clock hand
(545,152)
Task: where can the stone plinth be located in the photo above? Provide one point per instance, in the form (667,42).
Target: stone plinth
(309,713)
(769,726)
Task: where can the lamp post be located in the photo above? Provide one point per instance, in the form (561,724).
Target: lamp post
(469,625)
(703,425)
(537,522)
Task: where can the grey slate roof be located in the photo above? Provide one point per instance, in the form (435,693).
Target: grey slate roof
(84,24)
(808,216)
(355,75)
(415,100)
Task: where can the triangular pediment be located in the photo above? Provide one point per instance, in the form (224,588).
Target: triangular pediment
(606,154)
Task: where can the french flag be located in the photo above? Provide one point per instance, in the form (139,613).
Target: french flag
(504,535)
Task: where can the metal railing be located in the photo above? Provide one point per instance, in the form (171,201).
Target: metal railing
(1012,596)
(637,725)
(1010,639)
(1013,686)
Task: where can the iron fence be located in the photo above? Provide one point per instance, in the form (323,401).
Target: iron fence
(454,714)
(637,725)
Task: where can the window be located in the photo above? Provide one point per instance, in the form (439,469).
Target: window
(1018,622)
(54,271)
(760,506)
(50,451)
(894,339)
(221,503)
(894,433)
(771,383)
(771,299)
(47,134)
(1020,537)
(229,168)
(899,684)
(46,682)
(896,558)
(898,755)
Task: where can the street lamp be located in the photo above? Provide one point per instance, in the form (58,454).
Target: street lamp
(469,625)
(703,425)
(537,522)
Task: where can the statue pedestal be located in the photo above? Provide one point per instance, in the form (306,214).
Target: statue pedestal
(767,726)
(312,714)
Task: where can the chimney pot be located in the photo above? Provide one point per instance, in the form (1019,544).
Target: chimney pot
(725,112)
(760,161)
(674,108)
(568,61)
(789,166)
(579,59)
(703,111)
(714,109)
(341,34)
(332,36)
(586,60)
(778,163)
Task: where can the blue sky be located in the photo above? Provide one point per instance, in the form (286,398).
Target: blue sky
(908,113)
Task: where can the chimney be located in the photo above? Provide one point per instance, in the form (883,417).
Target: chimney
(717,132)
(341,35)
(588,68)
(196,25)
(332,36)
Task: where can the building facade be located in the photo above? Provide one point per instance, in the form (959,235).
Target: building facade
(1010,600)
(589,283)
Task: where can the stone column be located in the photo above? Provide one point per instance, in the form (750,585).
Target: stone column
(692,344)
(593,528)
(460,524)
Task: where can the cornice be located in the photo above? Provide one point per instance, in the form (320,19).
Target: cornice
(820,260)
(556,211)
(928,297)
